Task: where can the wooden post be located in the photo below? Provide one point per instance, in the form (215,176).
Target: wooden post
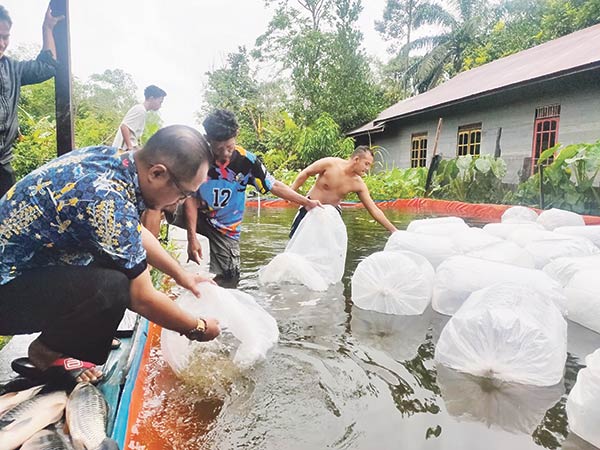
(435,159)
(64,110)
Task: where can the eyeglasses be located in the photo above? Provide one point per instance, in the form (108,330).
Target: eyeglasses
(183,194)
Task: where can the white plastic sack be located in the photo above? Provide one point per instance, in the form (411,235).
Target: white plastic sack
(504,230)
(473,239)
(544,251)
(505,252)
(519,214)
(514,407)
(583,298)
(458,277)
(523,236)
(563,269)
(508,332)
(434,248)
(393,283)
(583,407)
(238,314)
(441,229)
(554,218)
(591,232)
(416,224)
(288,267)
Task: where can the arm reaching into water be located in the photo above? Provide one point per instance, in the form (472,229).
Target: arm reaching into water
(374,210)
(283,191)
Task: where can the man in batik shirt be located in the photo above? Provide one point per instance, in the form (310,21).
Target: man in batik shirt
(74,255)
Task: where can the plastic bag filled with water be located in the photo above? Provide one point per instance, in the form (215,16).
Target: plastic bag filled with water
(504,252)
(435,249)
(583,407)
(414,225)
(393,283)
(248,330)
(591,232)
(458,277)
(507,332)
(583,298)
(519,214)
(319,245)
(471,239)
(544,251)
(562,269)
(504,230)
(554,218)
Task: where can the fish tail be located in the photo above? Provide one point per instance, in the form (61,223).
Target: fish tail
(109,444)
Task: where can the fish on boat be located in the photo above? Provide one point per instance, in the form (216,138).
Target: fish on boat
(27,418)
(47,440)
(12,399)
(86,417)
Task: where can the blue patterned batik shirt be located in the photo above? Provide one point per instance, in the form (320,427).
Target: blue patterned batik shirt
(80,208)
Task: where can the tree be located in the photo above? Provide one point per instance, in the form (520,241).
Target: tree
(317,43)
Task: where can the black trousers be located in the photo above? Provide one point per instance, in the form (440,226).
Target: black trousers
(7,178)
(76,309)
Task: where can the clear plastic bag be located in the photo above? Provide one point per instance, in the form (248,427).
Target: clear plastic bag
(544,251)
(583,407)
(393,283)
(583,300)
(505,229)
(554,218)
(508,332)
(288,267)
(458,277)
(472,239)
(434,248)
(519,214)
(238,314)
(505,252)
(562,269)
(416,224)
(591,232)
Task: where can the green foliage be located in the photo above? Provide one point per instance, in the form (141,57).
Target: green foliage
(3,341)
(469,179)
(396,183)
(570,182)
(322,139)
(36,147)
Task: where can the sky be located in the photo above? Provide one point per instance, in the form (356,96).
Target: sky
(168,43)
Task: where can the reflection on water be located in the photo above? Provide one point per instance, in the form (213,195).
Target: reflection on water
(345,378)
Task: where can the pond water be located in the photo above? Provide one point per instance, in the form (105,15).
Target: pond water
(344,378)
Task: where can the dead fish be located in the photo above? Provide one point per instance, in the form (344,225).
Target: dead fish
(46,440)
(87,414)
(12,399)
(24,420)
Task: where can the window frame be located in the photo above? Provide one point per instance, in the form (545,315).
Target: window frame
(472,148)
(418,156)
(549,114)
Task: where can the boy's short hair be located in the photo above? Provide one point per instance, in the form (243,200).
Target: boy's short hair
(220,125)
(361,150)
(154,92)
(4,16)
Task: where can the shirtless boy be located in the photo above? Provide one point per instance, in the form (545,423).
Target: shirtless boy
(336,178)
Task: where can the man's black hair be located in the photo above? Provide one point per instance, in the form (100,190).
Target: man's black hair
(154,92)
(181,148)
(220,125)
(4,16)
(361,150)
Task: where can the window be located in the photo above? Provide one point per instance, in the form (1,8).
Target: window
(418,151)
(545,133)
(469,140)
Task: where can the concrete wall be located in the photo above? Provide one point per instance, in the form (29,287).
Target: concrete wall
(513,111)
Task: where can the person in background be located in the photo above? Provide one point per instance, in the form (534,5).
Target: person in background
(129,134)
(129,137)
(337,178)
(13,75)
(216,209)
(74,255)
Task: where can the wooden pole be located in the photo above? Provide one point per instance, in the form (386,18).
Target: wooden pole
(437,137)
(435,159)
(63,89)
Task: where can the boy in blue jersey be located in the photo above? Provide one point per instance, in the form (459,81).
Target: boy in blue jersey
(217,209)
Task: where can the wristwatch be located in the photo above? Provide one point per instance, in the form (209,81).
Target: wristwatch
(197,334)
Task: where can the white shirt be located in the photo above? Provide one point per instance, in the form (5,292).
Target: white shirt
(135,120)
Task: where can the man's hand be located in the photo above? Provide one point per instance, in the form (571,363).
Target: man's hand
(194,249)
(312,204)
(211,332)
(50,21)
(190,281)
